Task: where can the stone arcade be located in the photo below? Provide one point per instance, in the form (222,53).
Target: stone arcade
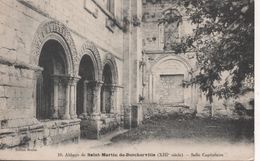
(62,68)
(83,68)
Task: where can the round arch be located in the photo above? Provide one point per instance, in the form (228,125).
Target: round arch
(54,30)
(111,62)
(110,79)
(164,58)
(88,48)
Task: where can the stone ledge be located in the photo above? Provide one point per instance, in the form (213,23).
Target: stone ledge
(43,133)
(19,64)
(20,122)
(7,132)
(60,123)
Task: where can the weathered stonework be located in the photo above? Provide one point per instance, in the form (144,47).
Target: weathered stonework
(100,75)
(95,126)
(158,110)
(44,37)
(90,49)
(38,135)
(164,70)
(48,30)
(111,61)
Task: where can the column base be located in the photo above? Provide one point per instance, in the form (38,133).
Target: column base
(83,115)
(54,111)
(96,115)
(97,125)
(89,126)
(66,117)
(73,116)
(54,116)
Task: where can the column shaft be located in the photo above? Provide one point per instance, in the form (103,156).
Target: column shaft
(85,97)
(55,98)
(67,105)
(112,97)
(73,93)
(97,94)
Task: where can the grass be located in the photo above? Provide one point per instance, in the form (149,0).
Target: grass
(195,129)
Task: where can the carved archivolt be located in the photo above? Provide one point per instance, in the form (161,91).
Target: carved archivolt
(111,61)
(54,30)
(90,49)
(166,57)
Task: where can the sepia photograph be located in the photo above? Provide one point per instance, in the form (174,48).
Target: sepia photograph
(127,80)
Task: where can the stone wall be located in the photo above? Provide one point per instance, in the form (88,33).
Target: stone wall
(153,31)
(94,127)
(233,108)
(38,135)
(20,20)
(160,61)
(151,110)
(25,26)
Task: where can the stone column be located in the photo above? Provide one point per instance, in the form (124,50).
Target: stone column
(73,93)
(37,75)
(85,93)
(56,82)
(103,93)
(112,98)
(67,105)
(97,94)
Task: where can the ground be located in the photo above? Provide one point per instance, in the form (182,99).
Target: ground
(167,138)
(196,129)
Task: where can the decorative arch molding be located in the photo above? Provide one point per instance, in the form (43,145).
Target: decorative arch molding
(111,61)
(88,48)
(54,30)
(163,58)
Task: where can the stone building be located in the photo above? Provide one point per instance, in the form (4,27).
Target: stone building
(164,72)
(66,69)
(83,68)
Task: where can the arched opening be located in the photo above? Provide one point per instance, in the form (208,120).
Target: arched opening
(166,81)
(107,90)
(85,86)
(51,88)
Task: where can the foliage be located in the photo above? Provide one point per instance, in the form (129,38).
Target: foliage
(223,40)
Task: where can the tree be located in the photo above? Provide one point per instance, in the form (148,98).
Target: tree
(223,40)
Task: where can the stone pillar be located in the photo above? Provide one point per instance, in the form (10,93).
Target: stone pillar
(113,99)
(73,94)
(97,94)
(150,89)
(37,75)
(67,105)
(85,92)
(56,82)
(132,49)
(103,93)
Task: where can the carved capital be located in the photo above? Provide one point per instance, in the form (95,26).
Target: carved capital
(74,80)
